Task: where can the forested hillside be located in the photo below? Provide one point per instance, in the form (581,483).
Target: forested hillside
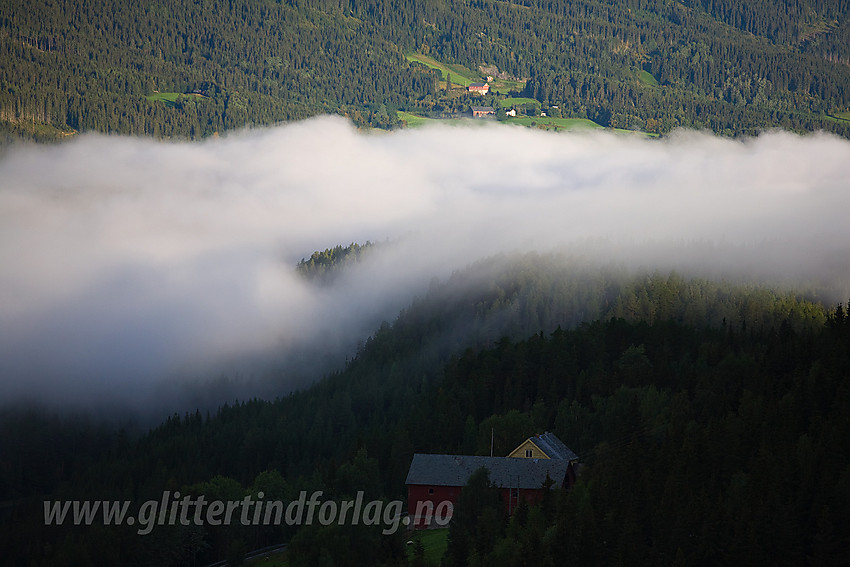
(194,69)
(710,417)
(702,446)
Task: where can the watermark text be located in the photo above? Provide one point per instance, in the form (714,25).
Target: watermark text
(176,509)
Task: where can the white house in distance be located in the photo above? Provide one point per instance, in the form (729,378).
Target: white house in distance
(479,88)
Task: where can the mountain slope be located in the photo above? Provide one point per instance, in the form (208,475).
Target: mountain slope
(440,379)
(77,66)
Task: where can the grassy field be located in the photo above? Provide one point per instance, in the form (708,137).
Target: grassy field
(647,79)
(464,76)
(167,98)
(170,98)
(412,120)
(547,122)
(515,101)
(460,74)
(841,115)
(504,87)
(555,123)
(434,542)
(551,123)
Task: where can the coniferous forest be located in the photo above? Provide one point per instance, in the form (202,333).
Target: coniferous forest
(195,69)
(710,419)
(711,416)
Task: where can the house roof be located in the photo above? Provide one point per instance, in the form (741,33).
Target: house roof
(455,470)
(478,85)
(482,109)
(553,447)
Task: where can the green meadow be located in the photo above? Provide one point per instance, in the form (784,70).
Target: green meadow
(412,120)
(460,75)
(550,123)
(503,86)
(516,101)
(170,98)
(555,123)
(463,76)
(434,543)
(167,98)
(648,79)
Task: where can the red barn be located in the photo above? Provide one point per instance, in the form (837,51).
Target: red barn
(482,111)
(434,482)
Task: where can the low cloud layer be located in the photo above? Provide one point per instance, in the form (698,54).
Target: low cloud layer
(128,264)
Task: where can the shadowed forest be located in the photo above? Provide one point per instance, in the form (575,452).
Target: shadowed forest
(711,420)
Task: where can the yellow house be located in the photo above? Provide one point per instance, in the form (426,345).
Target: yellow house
(543,446)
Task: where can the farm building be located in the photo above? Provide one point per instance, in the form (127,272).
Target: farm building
(482,111)
(480,88)
(544,446)
(433,481)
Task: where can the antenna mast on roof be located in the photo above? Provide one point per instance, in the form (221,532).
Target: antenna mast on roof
(492,434)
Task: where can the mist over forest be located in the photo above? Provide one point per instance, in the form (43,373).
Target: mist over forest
(140,273)
(252,250)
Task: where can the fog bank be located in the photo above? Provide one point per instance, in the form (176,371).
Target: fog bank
(131,269)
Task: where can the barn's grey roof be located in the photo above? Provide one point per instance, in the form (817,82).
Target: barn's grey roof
(455,470)
(554,447)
